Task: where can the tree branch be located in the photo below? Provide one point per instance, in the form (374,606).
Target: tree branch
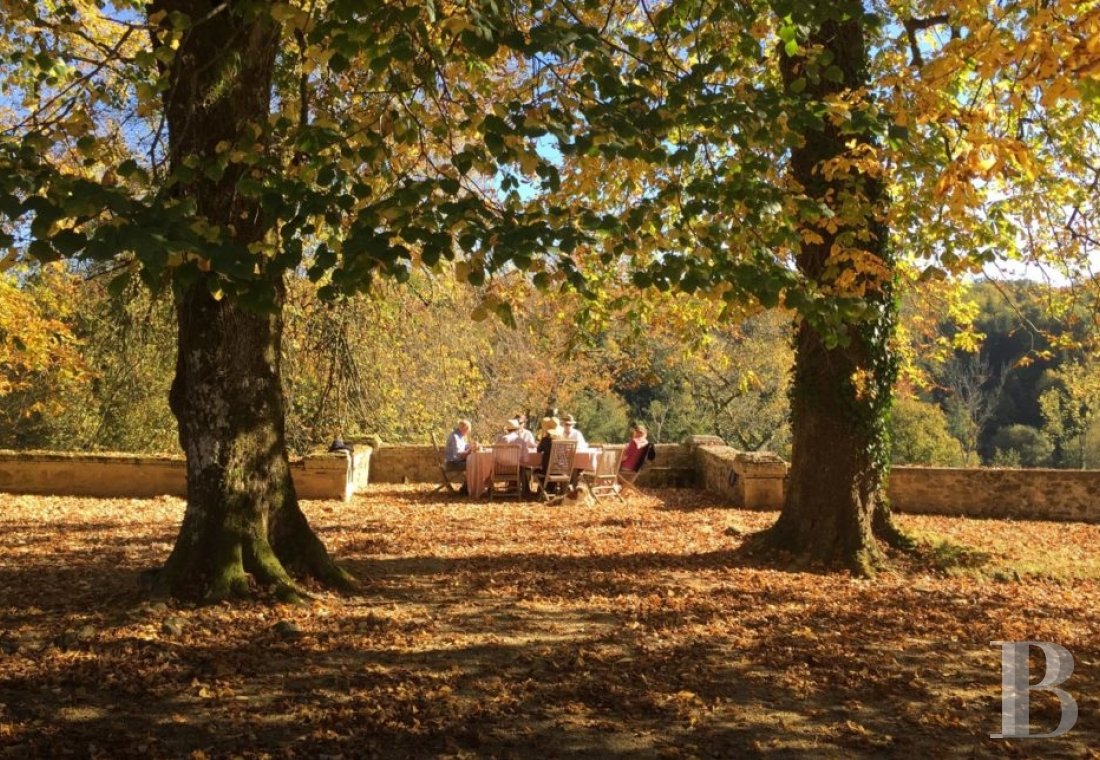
(914,25)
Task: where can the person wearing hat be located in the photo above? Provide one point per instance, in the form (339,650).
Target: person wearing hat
(524,433)
(571,432)
(550,430)
(511,433)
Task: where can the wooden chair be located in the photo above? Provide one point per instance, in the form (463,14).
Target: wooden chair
(506,470)
(445,472)
(559,469)
(626,478)
(602,481)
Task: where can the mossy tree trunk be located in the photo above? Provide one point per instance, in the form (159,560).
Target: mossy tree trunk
(844,373)
(243,524)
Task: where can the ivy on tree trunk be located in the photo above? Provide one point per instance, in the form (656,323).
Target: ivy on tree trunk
(843,375)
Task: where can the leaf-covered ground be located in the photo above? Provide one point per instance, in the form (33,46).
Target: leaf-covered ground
(526,631)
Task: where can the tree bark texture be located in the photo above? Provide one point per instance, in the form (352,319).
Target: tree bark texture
(842,384)
(243,524)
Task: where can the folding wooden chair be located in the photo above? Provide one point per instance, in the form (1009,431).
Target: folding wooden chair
(626,478)
(506,469)
(445,472)
(559,469)
(602,480)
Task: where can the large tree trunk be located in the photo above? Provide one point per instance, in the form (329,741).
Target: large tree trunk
(242,524)
(842,385)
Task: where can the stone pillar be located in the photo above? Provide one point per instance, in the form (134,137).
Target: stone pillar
(758,478)
(359,472)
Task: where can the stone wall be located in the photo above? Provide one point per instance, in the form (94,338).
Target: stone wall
(987,492)
(404,463)
(756,481)
(108,475)
(751,480)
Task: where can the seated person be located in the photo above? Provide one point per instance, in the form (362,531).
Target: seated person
(339,445)
(549,430)
(636,449)
(550,427)
(512,434)
(527,436)
(458,446)
(572,433)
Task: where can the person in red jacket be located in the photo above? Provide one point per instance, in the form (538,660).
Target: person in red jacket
(638,448)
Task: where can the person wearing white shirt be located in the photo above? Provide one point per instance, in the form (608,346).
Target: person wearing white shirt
(525,433)
(512,434)
(571,432)
(458,446)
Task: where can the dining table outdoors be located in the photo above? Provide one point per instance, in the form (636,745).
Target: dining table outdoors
(479,466)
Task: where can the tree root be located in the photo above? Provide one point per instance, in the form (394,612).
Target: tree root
(886,530)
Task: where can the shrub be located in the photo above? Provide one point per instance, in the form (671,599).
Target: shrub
(1022,444)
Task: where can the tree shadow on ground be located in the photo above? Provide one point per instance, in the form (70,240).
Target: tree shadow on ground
(622,687)
(487,651)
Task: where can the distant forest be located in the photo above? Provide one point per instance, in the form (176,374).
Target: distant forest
(995,373)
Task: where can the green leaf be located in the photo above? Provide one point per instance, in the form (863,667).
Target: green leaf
(117,286)
(127,168)
(504,311)
(86,144)
(69,242)
(42,251)
(338,63)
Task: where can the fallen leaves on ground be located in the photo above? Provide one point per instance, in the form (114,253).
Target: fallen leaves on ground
(521,630)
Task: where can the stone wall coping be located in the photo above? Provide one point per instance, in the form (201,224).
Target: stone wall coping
(122,457)
(994,470)
(129,456)
(760,457)
(88,456)
(703,440)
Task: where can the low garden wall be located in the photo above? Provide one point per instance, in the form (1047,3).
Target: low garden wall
(108,475)
(756,480)
(1001,493)
(752,480)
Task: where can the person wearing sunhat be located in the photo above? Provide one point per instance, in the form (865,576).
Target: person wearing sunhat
(569,430)
(511,433)
(549,430)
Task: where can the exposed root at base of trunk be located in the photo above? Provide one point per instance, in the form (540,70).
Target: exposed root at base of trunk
(778,548)
(237,569)
(303,554)
(885,530)
(314,561)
